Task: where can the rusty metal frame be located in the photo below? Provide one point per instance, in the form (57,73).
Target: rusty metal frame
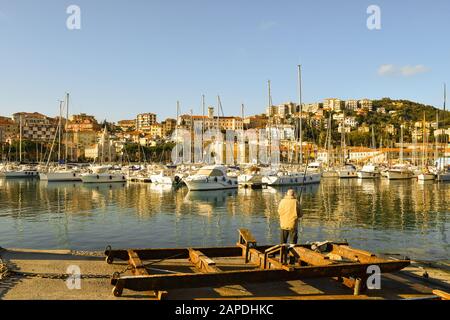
(270,264)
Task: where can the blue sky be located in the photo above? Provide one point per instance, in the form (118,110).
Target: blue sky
(142,56)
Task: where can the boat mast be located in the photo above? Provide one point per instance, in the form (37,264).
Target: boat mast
(176,130)
(65,128)
(443,121)
(300,110)
(242,117)
(191,135)
(59,131)
(20,139)
(270,126)
(203,125)
(401,143)
(329,140)
(423,141)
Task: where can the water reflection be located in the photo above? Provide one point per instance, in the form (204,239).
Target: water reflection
(380,215)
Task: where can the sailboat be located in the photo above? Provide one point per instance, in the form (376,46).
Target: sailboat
(425,173)
(59,173)
(329,171)
(22,171)
(400,171)
(347,170)
(289,177)
(443,170)
(103,173)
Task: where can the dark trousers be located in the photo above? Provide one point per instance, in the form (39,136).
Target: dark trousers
(289,234)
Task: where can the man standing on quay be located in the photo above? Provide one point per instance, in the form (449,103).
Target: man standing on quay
(289,211)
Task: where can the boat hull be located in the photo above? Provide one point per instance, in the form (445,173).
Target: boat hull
(158,179)
(250,181)
(287,180)
(399,175)
(426,177)
(443,177)
(368,175)
(20,174)
(103,178)
(210,184)
(347,174)
(59,176)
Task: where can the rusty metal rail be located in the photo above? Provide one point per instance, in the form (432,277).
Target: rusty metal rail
(267,263)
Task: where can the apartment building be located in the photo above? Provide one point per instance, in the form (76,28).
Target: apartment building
(210,121)
(168,127)
(351,105)
(36,126)
(126,125)
(82,132)
(366,104)
(256,121)
(9,130)
(333,104)
(145,120)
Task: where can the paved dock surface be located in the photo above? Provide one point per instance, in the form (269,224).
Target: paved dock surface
(39,277)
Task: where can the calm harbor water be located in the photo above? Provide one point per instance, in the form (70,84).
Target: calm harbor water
(383,216)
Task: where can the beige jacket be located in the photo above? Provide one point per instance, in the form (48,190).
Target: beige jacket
(289,211)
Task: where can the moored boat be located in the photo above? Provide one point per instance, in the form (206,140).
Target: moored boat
(400,172)
(346,172)
(102,174)
(212,177)
(369,171)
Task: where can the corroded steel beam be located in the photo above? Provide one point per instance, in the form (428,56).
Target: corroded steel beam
(196,280)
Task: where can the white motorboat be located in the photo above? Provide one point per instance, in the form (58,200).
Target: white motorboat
(213,177)
(165,177)
(251,178)
(427,176)
(400,172)
(348,171)
(369,171)
(102,174)
(20,172)
(291,178)
(60,174)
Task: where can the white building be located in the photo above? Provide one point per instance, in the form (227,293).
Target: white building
(332,104)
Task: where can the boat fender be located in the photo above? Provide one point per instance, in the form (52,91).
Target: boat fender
(98,177)
(215,179)
(110,177)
